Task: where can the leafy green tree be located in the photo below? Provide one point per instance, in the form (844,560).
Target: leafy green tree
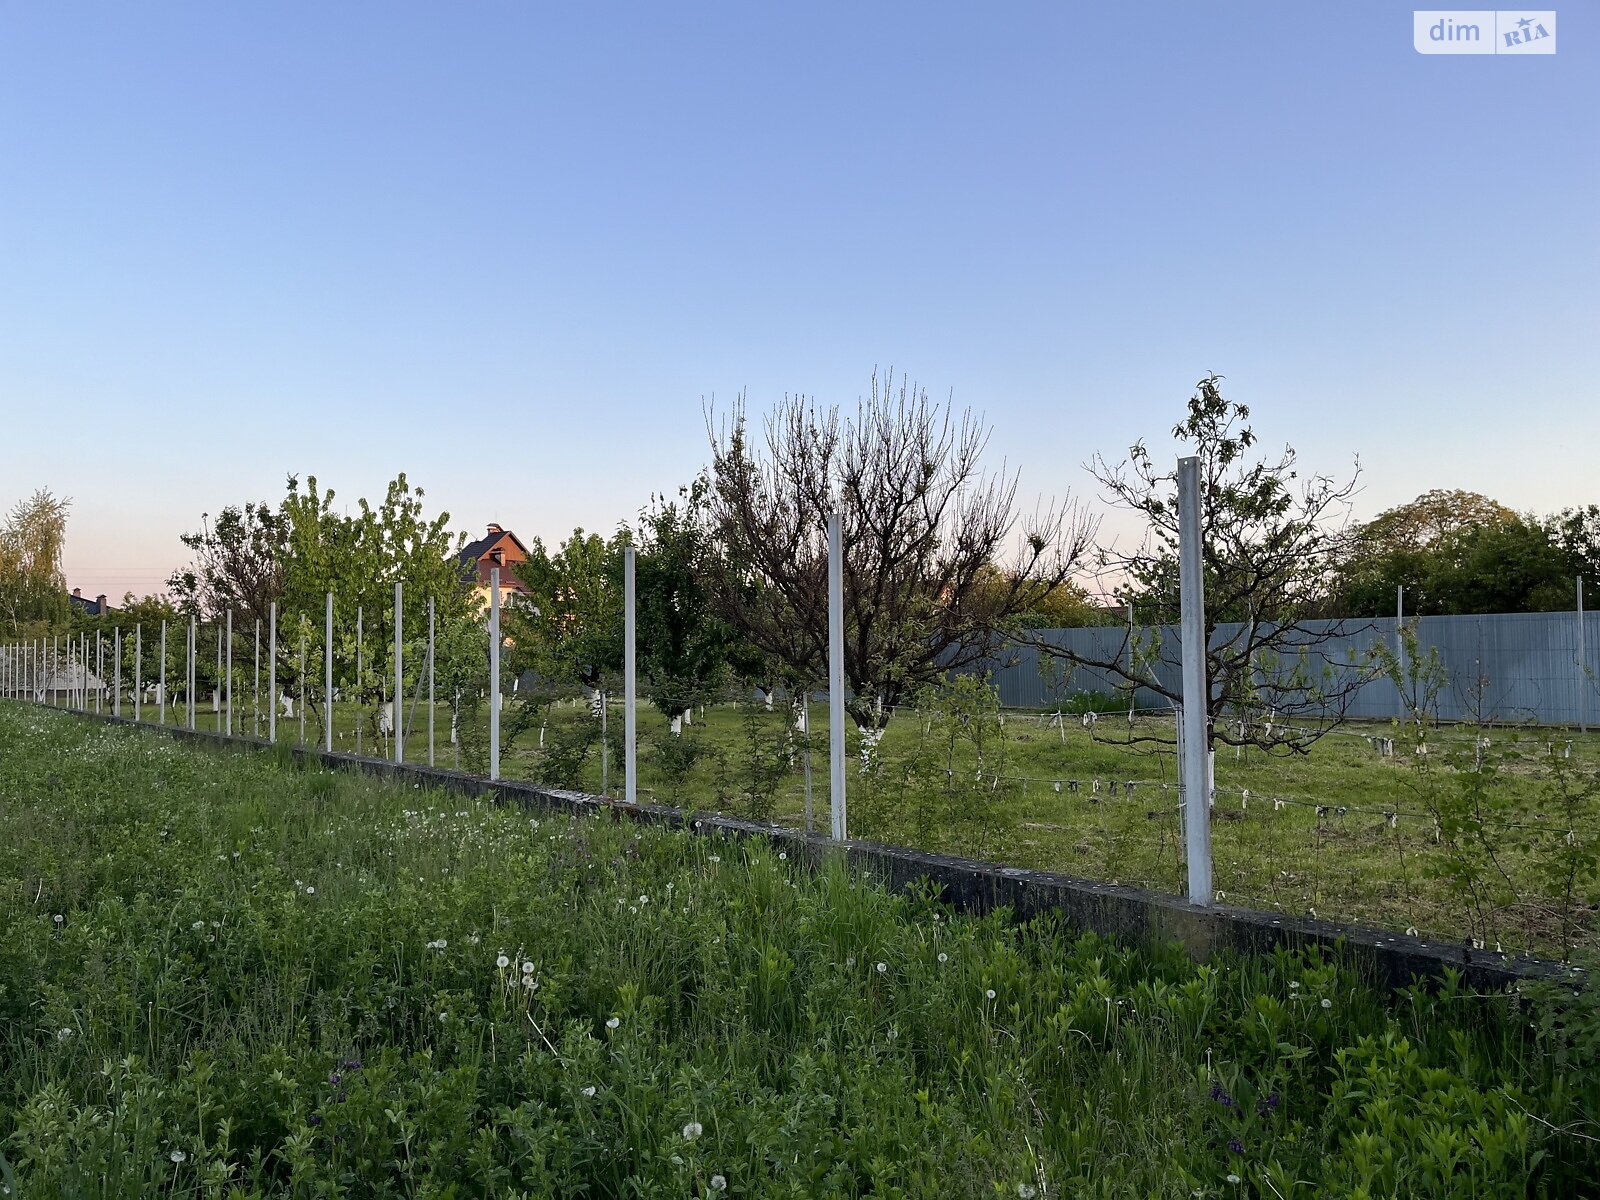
(1458,552)
(359,558)
(1403,547)
(687,651)
(237,563)
(461,655)
(1068,605)
(297,553)
(1576,531)
(33,587)
(1513,566)
(567,629)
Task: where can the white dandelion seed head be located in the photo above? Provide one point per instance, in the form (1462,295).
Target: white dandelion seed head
(1293,984)
(311,891)
(643,899)
(63,1034)
(198,925)
(589,1091)
(783,856)
(717,1183)
(989,992)
(1027,1191)
(1327,1003)
(502,962)
(527,968)
(58,918)
(943,957)
(1234,1179)
(692,1130)
(882,967)
(613,1022)
(177,1156)
(529,982)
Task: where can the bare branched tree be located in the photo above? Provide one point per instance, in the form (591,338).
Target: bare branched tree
(1270,540)
(923,528)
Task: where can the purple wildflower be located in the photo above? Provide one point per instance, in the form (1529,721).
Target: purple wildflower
(315,1118)
(1236,1145)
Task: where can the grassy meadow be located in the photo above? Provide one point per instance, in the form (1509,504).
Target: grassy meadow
(226,975)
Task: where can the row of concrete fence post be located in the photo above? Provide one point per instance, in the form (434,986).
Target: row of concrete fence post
(33,669)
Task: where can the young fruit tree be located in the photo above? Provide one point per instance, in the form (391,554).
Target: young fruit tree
(687,652)
(296,553)
(1270,539)
(923,524)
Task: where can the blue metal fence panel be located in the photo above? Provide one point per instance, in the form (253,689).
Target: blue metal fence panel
(1503,667)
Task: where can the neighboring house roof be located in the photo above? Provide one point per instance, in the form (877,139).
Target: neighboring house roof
(90,608)
(472,557)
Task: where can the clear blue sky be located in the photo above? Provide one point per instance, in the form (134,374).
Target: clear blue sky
(510,248)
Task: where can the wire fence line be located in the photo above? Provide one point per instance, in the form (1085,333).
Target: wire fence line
(1298,849)
(1516,668)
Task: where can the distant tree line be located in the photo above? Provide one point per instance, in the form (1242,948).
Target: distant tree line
(1460,552)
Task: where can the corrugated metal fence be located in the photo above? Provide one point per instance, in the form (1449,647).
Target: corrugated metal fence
(1505,667)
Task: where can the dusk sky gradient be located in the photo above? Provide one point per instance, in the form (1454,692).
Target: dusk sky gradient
(512,249)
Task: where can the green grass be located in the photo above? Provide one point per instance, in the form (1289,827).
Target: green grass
(222,975)
(1343,833)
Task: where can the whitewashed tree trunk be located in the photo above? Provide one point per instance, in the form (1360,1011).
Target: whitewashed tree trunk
(797,729)
(869,744)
